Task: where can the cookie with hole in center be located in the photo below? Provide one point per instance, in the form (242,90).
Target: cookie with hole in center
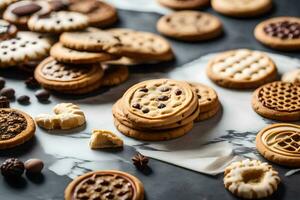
(280,143)
(292,77)
(277,100)
(16,127)
(184,4)
(241,69)
(190,26)
(281,33)
(99,13)
(108,184)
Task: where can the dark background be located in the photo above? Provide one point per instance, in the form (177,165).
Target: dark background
(162,181)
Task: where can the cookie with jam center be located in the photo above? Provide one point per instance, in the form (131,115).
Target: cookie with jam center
(16,127)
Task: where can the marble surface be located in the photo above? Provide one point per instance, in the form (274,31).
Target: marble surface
(67,155)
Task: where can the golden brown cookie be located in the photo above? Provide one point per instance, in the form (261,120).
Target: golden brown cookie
(278,101)
(281,33)
(66,55)
(190,26)
(241,69)
(184,4)
(114,74)
(280,143)
(251,179)
(68,78)
(242,8)
(208,114)
(100,13)
(16,127)
(108,184)
(292,77)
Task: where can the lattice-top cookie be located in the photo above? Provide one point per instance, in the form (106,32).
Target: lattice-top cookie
(105,185)
(241,69)
(280,143)
(251,179)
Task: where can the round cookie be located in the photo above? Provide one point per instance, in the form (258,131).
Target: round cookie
(100,14)
(119,185)
(190,26)
(208,114)
(184,4)
(68,78)
(89,40)
(16,127)
(159,102)
(141,45)
(242,8)
(241,69)
(114,74)
(281,33)
(19,12)
(153,135)
(278,101)
(66,55)
(280,143)
(251,179)
(292,77)
(24,48)
(7,30)
(58,22)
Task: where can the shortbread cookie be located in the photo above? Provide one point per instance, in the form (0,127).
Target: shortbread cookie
(5,3)
(114,74)
(184,4)
(292,77)
(90,40)
(102,139)
(66,116)
(208,114)
(278,101)
(280,143)
(16,127)
(66,55)
(7,30)
(141,45)
(190,26)
(109,184)
(25,47)
(153,135)
(61,77)
(159,102)
(58,22)
(281,33)
(242,8)
(241,69)
(251,179)
(100,13)
(19,13)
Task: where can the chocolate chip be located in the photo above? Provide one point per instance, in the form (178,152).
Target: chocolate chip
(137,106)
(42,95)
(8,92)
(178,92)
(283,30)
(4,102)
(2,83)
(163,98)
(12,168)
(145,110)
(143,90)
(160,106)
(26,10)
(24,99)
(165,89)
(32,83)
(34,166)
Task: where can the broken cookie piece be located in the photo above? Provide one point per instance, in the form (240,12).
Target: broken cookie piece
(101,139)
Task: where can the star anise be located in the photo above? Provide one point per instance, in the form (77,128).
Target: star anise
(140,161)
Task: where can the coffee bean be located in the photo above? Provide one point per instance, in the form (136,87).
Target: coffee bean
(26,10)
(2,83)
(32,83)
(8,92)
(163,98)
(145,110)
(34,166)
(160,106)
(137,106)
(42,95)
(24,99)
(178,92)
(4,102)
(143,90)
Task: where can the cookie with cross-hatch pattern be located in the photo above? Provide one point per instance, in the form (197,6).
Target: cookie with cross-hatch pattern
(105,184)
(190,26)
(159,102)
(68,78)
(280,143)
(277,100)
(241,69)
(184,4)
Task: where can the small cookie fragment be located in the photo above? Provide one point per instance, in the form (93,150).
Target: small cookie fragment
(282,33)
(280,143)
(66,116)
(190,26)
(241,69)
(292,77)
(278,101)
(101,139)
(184,4)
(251,179)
